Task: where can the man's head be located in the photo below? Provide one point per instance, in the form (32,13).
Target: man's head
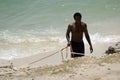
(77,16)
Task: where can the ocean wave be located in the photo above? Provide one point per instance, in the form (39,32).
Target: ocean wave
(15,45)
(29,37)
(9,37)
(97,37)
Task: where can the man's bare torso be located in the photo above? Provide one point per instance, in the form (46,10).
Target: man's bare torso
(77,31)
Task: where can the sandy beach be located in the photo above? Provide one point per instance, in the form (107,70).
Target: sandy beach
(33,36)
(86,68)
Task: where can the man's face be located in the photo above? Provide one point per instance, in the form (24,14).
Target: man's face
(77,18)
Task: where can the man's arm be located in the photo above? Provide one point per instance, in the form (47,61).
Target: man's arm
(88,38)
(68,34)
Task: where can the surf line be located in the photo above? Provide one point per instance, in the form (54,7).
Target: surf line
(61,50)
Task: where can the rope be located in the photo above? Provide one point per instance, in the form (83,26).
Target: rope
(50,55)
(66,53)
(77,53)
(62,55)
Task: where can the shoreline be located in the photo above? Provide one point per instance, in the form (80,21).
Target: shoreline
(36,60)
(89,67)
(55,59)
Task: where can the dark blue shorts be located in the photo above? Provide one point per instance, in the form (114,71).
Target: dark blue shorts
(78,48)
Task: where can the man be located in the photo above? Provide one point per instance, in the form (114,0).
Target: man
(77,29)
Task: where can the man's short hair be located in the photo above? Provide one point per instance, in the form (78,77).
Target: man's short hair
(77,14)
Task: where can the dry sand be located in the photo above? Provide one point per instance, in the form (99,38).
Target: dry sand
(105,67)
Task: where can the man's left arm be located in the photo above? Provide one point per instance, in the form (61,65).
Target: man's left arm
(88,38)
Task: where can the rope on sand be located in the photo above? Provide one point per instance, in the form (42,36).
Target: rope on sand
(28,67)
(51,55)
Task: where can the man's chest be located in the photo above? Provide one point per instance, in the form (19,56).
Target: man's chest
(77,29)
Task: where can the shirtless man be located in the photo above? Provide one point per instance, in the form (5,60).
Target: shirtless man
(76,43)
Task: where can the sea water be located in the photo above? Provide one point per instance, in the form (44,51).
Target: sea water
(29,27)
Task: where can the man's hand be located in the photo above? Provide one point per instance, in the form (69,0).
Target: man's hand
(91,49)
(68,44)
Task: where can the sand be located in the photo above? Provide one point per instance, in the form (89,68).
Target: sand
(105,67)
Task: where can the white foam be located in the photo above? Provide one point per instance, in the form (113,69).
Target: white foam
(10,37)
(104,38)
(19,45)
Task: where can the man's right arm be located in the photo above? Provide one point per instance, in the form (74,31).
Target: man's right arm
(68,34)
